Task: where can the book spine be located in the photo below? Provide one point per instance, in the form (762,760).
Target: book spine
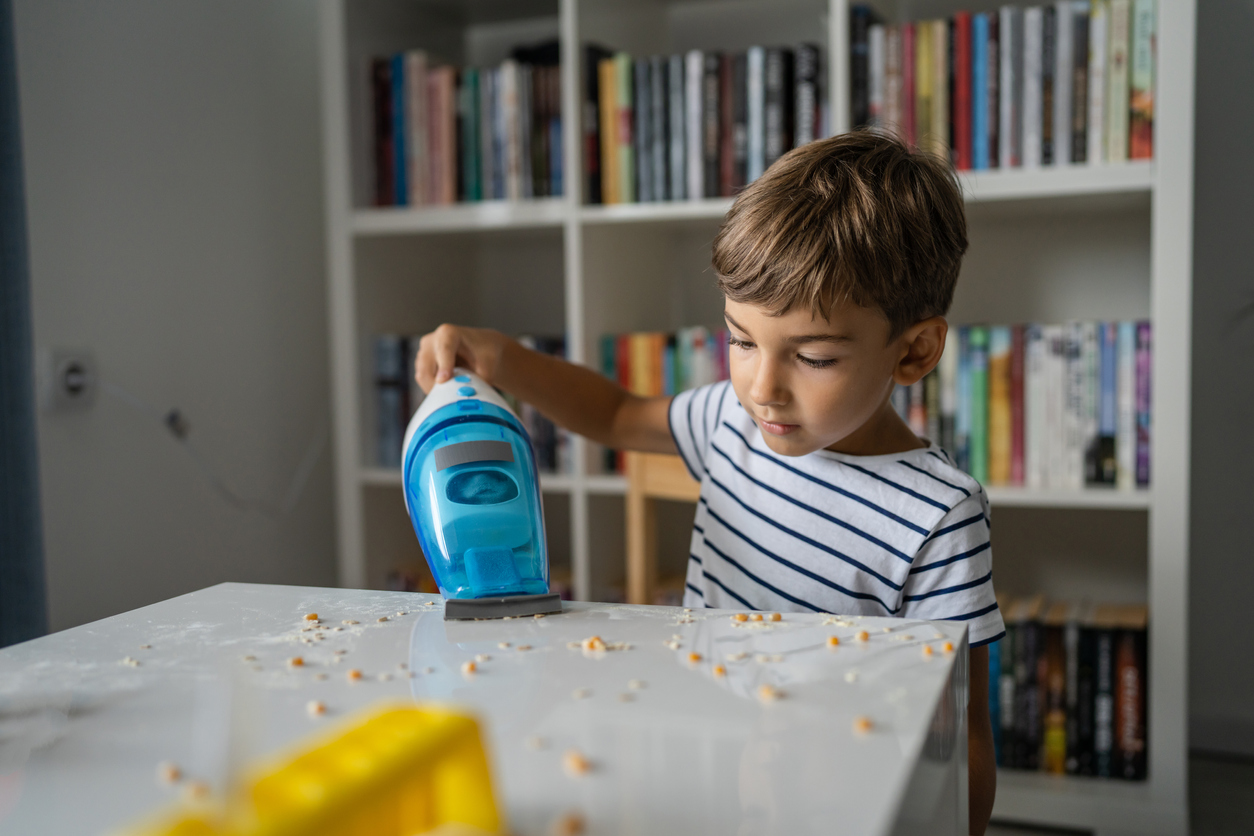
(1011,87)
(473,130)
(400,150)
(625,143)
(756,82)
(1125,434)
(917,415)
(992,54)
(676,128)
(416,126)
(909,130)
(1129,720)
(978,347)
(710,145)
(381,90)
(740,122)
(859,35)
(1144,373)
(1117,106)
(448,124)
(487,130)
(529,155)
(657,121)
(1036,350)
(1064,45)
(1049,68)
(557,162)
(642,135)
(1079,80)
(876,67)
(806,107)
(1033,86)
(1090,403)
(923,83)
(940,89)
(1141,97)
(1054,447)
(962,91)
(999,424)
(1086,687)
(694,72)
(962,416)
(994,697)
(892,80)
(1024,673)
(1071,654)
(1008,699)
(511,125)
(726,127)
(1104,702)
(1054,690)
(979,92)
(390,386)
(1098,41)
(1108,404)
(609,132)
(592,124)
(1017,386)
(1074,423)
(777,116)
(949,390)
(1032,719)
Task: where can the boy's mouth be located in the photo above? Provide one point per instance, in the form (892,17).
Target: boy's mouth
(777,429)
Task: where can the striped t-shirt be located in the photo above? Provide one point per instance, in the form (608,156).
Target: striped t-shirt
(903,535)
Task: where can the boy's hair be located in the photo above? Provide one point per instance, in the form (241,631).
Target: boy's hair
(859,217)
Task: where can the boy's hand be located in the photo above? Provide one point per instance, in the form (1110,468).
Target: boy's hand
(477,349)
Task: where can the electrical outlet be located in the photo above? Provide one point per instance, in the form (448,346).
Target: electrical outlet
(74,379)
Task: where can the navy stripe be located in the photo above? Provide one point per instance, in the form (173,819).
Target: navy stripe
(700,594)
(951,528)
(901,488)
(965,492)
(692,556)
(970,615)
(718,416)
(698,528)
(995,638)
(829,486)
(679,448)
(781,593)
(724,587)
(949,560)
(816,544)
(834,520)
(949,589)
(865,596)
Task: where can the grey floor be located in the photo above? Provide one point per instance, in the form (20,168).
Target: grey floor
(1221,801)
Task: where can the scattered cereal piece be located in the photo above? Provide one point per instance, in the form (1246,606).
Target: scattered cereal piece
(539,615)
(306,629)
(306,641)
(524,647)
(384,677)
(340,652)
(939,636)
(693,658)
(381,619)
(833,641)
(311,616)
(687,609)
(536,743)
(862,725)
(195,791)
(353,675)
(581,693)
(321,677)
(315,708)
(740,617)
(719,671)
(400,612)
(851,676)
(503,645)
(469,667)
(296,662)
(575,764)
(769,693)
(761,658)
(736,657)
(145,647)
(431,603)
(775,617)
(903,637)
(348,621)
(636,684)
(948,647)
(888,629)
(337,629)
(131,661)
(569,823)
(862,636)
(626,696)
(428,670)
(168,773)
(672,644)
(508,617)
(593,643)
(757,616)
(250,658)
(482,657)
(402,666)
(927,651)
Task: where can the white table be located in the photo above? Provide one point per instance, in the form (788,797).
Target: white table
(81,731)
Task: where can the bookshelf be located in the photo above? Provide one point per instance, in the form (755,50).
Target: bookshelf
(1100,241)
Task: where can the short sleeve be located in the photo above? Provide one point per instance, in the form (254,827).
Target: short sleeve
(951,577)
(693,417)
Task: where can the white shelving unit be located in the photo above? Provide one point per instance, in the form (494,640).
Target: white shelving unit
(1102,241)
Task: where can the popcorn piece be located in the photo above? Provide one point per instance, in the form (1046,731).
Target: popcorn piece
(130,661)
(757,616)
(168,773)
(948,647)
(349,621)
(575,764)
(340,652)
(384,677)
(311,616)
(381,619)
(296,662)
(250,658)
(569,823)
(862,725)
(833,641)
(769,693)
(593,643)
(536,743)
(469,668)
(636,684)
(888,629)
(524,647)
(482,657)
(581,693)
(353,675)
(626,696)
(195,791)
(400,612)
(761,658)
(737,657)
(321,677)
(927,651)
(740,617)
(862,636)
(538,615)
(775,617)
(719,671)
(315,708)
(503,645)
(851,676)
(145,647)
(693,658)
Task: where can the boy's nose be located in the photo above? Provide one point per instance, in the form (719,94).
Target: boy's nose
(767,388)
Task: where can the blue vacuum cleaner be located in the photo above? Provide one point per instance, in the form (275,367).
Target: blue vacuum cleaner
(473,495)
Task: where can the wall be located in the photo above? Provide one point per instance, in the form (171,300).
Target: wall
(175,209)
(1222,571)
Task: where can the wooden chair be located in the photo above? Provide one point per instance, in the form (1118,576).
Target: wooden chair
(650,476)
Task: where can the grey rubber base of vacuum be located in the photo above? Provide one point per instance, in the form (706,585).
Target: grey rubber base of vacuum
(463,608)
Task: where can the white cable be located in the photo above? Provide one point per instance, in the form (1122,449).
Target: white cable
(172,422)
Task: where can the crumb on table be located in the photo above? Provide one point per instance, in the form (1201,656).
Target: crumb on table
(524,647)
(575,764)
(593,643)
(863,725)
(948,647)
(693,658)
(311,616)
(296,662)
(569,823)
(349,621)
(774,617)
(469,667)
(769,693)
(315,708)
(353,675)
(482,657)
(927,651)
(130,661)
(833,641)
(168,773)
(381,619)
(862,636)
(719,671)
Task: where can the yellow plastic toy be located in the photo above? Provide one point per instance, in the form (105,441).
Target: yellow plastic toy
(400,770)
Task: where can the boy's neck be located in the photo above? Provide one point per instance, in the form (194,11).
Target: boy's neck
(882,435)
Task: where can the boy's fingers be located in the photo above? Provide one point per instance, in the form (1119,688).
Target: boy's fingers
(425,364)
(447,341)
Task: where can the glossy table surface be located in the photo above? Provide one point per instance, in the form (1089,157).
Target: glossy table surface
(673,746)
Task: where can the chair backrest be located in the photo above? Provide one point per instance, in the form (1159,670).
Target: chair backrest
(650,476)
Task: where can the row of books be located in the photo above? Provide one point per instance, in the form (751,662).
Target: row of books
(480,133)
(1067,688)
(697,125)
(397,396)
(1045,406)
(1067,82)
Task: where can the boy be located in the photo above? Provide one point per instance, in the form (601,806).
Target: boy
(837,267)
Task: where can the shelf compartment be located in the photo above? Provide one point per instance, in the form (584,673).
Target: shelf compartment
(1102,804)
(1019,497)
(662,210)
(462,217)
(1056,182)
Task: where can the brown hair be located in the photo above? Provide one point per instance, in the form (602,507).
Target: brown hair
(859,217)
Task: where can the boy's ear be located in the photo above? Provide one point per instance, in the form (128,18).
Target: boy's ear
(921,347)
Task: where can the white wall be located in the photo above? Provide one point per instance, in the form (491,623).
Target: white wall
(172,153)
(1222,573)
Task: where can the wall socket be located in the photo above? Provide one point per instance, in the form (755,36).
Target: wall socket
(74,380)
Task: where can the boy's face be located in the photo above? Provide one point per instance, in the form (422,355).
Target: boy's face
(812,384)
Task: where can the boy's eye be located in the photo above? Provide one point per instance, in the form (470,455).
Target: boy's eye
(815,363)
(739,343)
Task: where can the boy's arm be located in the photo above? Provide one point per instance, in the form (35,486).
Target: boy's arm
(571,396)
(981,764)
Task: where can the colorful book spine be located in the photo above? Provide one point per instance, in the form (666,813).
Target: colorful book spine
(1049,58)
(979,91)
(1117,105)
(624,143)
(978,348)
(1033,86)
(1011,87)
(992,90)
(1064,44)
(1104,692)
(1099,41)
(1034,413)
(1143,415)
(1054,690)
(1129,744)
(1079,121)
(642,131)
(939,131)
(711,145)
(1018,468)
(1125,437)
(962,104)
(962,415)
(608,83)
(1141,78)
(999,407)
(676,128)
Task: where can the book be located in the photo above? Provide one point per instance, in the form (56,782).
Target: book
(1018,335)
(1034,414)
(1064,63)
(999,418)
(642,133)
(607,72)
(1129,754)
(893,81)
(777,116)
(1031,139)
(694,73)
(1007,699)
(1029,649)
(931,407)
(1143,394)
(676,128)
(1117,80)
(740,123)
(807,111)
(939,130)
(1079,120)
(979,91)
(726,125)
(1074,409)
(710,146)
(624,98)
(1125,432)
(400,149)
(860,19)
(992,89)
(1105,622)
(923,83)
(962,413)
(659,135)
(1099,38)
(1107,466)
(962,104)
(592,122)
(416,129)
(1141,81)
(384,155)
(994,695)
(876,66)
(1090,400)
(1054,689)
(948,369)
(909,133)
(1049,91)
(755,69)
(978,351)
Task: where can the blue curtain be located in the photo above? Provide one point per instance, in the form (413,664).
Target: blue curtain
(23,610)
